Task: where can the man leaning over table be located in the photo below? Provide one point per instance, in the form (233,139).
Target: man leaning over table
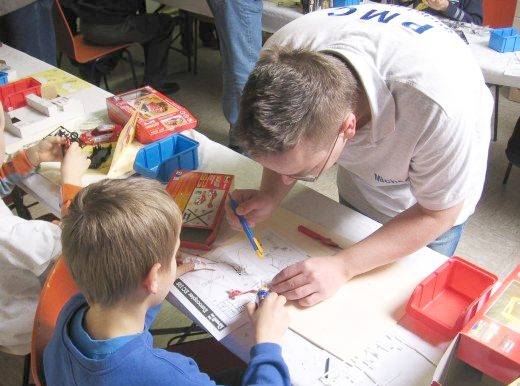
(398,102)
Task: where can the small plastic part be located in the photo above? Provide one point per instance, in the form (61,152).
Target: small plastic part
(161,159)
(262,293)
(4,77)
(449,297)
(12,95)
(42,105)
(104,133)
(345,3)
(504,40)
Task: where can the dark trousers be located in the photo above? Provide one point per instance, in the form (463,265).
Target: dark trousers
(30,29)
(152,31)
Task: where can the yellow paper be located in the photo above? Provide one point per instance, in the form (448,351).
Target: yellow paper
(64,83)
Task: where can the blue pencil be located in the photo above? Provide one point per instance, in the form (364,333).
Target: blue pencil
(249,233)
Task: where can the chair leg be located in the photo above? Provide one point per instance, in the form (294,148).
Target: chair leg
(26,370)
(60,56)
(106,82)
(195,45)
(21,209)
(93,73)
(506,177)
(495,121)
(132,68)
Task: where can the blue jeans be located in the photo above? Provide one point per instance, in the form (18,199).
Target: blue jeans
(445,244)
(239,28)
(31,30)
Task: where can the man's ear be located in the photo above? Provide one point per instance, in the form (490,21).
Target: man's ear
(348,127)
(150,281)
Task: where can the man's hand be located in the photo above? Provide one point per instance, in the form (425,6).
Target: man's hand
(254,205)
(313,280)
(47,150)
(270,320)
(438,5)
(74,165)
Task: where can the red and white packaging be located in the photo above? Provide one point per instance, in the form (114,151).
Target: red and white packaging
(159,115)
(490,342)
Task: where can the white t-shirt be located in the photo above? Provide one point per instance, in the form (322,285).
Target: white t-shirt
(428,138)
(26,250)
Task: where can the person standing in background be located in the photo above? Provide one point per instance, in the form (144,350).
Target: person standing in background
(239,28)
(27,26)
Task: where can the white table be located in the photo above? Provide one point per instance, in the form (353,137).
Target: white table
(305,360)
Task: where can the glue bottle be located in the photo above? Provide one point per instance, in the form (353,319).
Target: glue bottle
(262,293)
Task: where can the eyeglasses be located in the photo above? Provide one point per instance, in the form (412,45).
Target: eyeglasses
(311,178)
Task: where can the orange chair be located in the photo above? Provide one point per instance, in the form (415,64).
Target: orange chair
(499,13)
(75,47)
(57,290)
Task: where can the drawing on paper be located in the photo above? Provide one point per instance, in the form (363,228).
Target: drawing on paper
(233,269)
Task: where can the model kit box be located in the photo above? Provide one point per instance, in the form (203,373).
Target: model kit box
(490,342)
(159,116)
(201,197)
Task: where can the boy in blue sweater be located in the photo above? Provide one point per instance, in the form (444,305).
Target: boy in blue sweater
(120,239)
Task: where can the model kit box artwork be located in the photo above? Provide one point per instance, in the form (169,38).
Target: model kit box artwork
(490,342)
(159,116)
(201,197)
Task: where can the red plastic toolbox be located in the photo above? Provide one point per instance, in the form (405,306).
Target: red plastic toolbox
(13,94)
(448,298)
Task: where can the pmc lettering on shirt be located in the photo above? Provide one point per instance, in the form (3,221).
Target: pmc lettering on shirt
(380,17)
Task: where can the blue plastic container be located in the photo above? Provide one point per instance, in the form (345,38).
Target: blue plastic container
(161,159)
(345,3)
(504,40)
(4,77)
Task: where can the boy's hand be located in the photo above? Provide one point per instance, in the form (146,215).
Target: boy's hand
(47,150)
(271,319)
(74,165)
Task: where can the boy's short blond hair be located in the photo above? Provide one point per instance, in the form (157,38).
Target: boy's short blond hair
(114,232)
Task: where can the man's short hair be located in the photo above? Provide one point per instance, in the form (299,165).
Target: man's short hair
(114,232)
(294,94)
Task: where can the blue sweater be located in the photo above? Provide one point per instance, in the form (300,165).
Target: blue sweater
(138,363)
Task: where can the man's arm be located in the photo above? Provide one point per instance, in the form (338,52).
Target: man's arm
(273,185)
(404,234)
(318,278)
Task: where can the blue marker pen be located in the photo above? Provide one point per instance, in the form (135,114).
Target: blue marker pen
(249,233)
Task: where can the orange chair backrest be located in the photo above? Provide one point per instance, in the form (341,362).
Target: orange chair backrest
(499,13)
(64,36)
(57,290)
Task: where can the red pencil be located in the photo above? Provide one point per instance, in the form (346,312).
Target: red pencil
(322,239)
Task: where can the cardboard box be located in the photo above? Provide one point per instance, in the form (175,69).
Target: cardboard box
(159,116)
(40,115)
(490,342)
(201,197)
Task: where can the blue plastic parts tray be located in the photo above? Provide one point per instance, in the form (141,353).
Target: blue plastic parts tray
(504,40)
(344,3)
(3,77)
(160,159)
